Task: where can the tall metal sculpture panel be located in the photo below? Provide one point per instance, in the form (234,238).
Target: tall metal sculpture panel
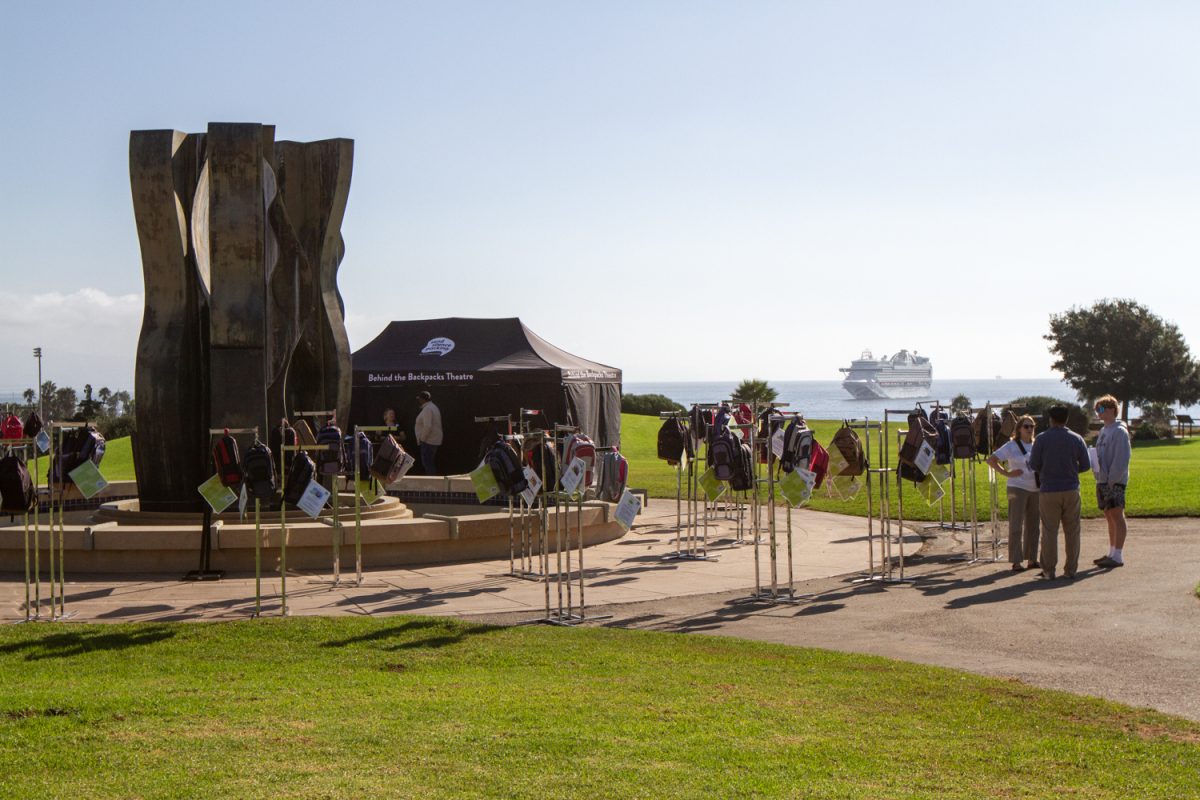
(243,323)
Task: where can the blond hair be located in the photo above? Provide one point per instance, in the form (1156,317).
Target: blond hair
(1108,401)
(1016,434)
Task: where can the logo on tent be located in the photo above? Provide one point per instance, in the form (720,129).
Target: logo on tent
(439,346)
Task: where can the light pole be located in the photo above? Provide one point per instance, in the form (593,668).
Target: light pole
(37,353)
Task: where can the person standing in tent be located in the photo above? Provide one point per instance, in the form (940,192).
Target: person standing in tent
(429,432)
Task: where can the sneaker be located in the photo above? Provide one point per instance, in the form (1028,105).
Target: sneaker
(1108,563)
(1018,568)
(1097,561)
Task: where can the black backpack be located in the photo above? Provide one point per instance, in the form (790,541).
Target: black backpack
(544,462)
(673,441)
(743,477)
(33,425)
(284,434)
(506,466)
(700,419)
(962,437)
(16,487)
(299,475)
(366,454)
(80,445)
(983,445)
(723,455)
(330,458)
(797,446)
(258,472)
(943,451)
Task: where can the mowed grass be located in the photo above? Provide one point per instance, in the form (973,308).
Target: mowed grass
(1164,477)
(422,707)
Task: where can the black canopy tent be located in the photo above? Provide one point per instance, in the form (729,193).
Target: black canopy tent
(478,368)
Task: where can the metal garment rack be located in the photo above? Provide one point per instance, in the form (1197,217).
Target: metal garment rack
(206,534)
(56,440)
(867,427)
(34,580)
(885,518)
(686,546)
(358,561)
(283,449)
(776,594)
(993,480)
(679,468)
(334,521)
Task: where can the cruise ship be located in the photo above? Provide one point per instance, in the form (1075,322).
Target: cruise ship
(904,375)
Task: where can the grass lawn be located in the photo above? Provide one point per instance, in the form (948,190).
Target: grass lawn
(421,707)
(1164,477)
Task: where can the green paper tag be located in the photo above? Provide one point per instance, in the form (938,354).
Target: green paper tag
(796,486)
(88,480)
(485,484)
(712,487)
(216,494)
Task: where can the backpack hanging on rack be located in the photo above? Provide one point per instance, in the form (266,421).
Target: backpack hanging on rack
(797,446)
(258,472)
(720,422)
(919,432)
(366,454)
(673,440)
(940,420)
(614,473)
(285,434)
(818,463)
(743,478)
(542,459)
(983,443)
(699,420)
(723,455)
(769,421)
(16,487)
(962,437)
(299,475)
(330,457)
(304,433)
(33,424)
(580,445)
(850,447)
(12,428)
(225,459)
(506,467)
(1008,425)
(391,461)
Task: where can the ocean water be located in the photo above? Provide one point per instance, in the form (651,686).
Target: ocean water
(828,400)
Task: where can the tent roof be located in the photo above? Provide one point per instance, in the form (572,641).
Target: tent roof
(488,350)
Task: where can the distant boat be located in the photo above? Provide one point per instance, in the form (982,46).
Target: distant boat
(999,377)
(904,375)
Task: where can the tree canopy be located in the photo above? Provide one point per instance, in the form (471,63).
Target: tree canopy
(1120,347)
(752,390)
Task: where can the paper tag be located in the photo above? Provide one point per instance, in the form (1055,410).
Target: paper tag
(777,443)
(367,491)
(1094,460)
(573,475)
(42,440)
(215,493)
(406,463)
(485,484)
(529,495)
(312,502)
(842,487)
(924,457)
(712,487)
(797,486)
(931,489)
(628,507)
(243,501)
(837,461)
(683,460)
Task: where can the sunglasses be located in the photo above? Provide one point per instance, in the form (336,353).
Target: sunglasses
(1101,409)
(1026,427)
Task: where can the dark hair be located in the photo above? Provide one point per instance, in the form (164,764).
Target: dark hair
(1058,414)
(424,396)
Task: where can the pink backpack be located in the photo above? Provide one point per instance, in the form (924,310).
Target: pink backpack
(12,428)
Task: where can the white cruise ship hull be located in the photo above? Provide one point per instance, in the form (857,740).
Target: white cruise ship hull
(874,390)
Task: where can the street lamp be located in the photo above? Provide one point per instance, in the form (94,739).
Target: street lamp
(37,353)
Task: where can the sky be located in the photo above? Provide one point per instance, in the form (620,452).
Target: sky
(687,191)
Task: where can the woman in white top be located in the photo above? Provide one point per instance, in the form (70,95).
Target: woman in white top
(1024,524)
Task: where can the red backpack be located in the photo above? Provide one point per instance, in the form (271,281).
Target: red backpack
(818,462)
(12,428)
(225,458)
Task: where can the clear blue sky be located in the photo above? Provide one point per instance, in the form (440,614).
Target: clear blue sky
(684,190)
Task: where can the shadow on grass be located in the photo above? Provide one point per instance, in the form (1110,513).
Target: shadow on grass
(449,633)
(66,645)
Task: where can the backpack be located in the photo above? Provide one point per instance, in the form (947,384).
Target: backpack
(16,487)
(33,424)
(225,458)
(818,463)
(90,445)
(673,441)
(304,434)
(797,446)
(1008,425)
(850,446)
(983,445)
(390,462)
(331,458)
(700,419)
(962,437)
(743,414)
(542,459)
(258,472)
(283,435)
(743,478)
(943,451)
(919,432)
(720,422)
(724,453)
(614,474)
(298,477)
(580,445)
(366,453)
(12,428)
(506,466)
(769,421)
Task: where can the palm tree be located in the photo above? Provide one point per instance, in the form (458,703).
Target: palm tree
(752,390)
(960,403)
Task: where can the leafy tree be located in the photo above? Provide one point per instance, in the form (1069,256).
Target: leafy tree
(1121,347)
(30,395)
(752,390)
(1037,407)
(649,404)
(89,407)
(960,403)
(121,403)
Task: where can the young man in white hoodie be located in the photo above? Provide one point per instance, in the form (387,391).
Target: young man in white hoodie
(1113,450)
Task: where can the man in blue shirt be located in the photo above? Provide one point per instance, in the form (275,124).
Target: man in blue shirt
(1058,457)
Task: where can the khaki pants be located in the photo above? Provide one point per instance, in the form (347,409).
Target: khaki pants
(1056,508)
(1023,518)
